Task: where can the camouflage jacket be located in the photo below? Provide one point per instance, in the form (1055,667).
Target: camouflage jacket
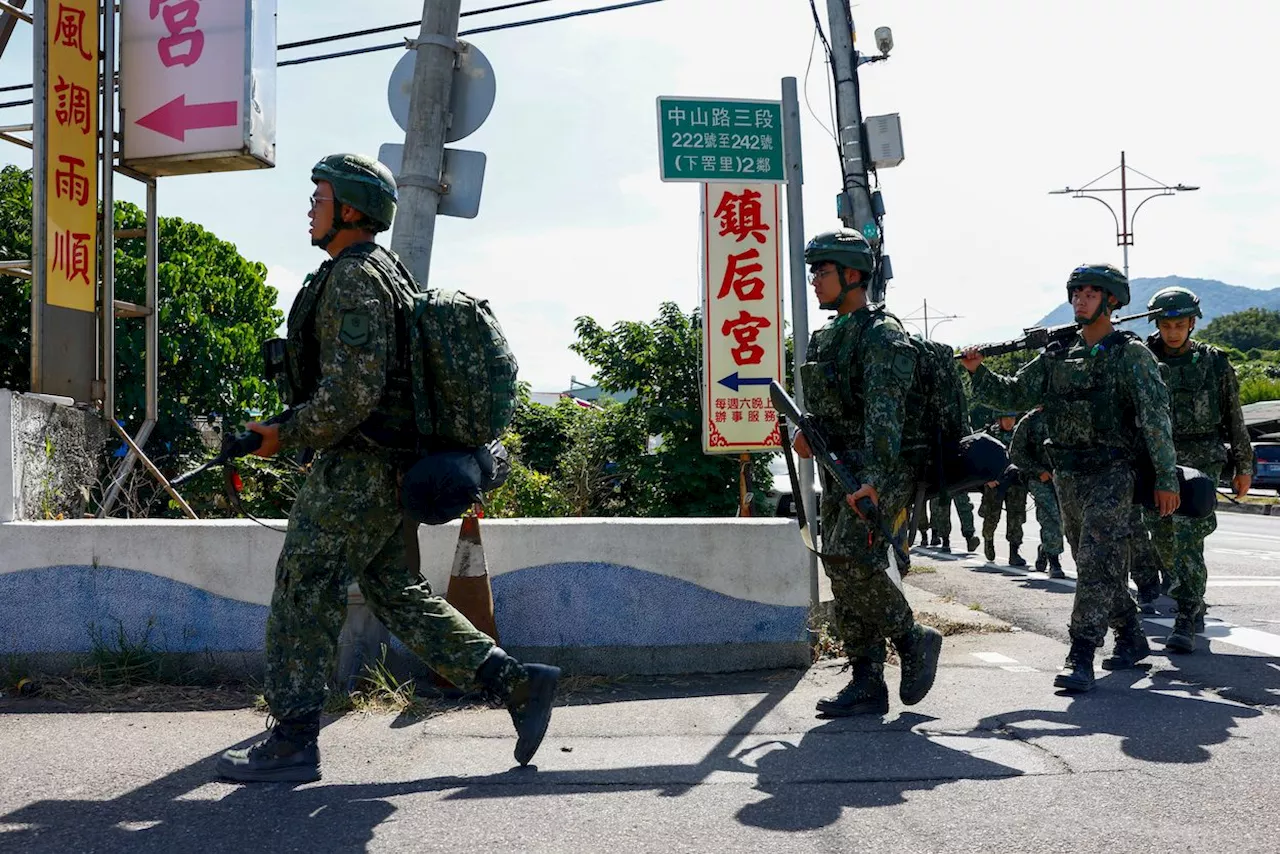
(859,368)
(1112,391)
(1027,448)
(342,341)
(1205,406)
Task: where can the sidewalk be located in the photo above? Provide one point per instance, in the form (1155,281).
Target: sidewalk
(992,760)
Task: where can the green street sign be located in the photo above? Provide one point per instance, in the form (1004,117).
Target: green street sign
(728,141)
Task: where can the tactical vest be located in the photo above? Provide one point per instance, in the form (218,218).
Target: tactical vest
(1193,393)
(833,379)
(1090,419)
(392,423)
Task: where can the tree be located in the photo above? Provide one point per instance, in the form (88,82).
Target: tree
(1251,329)
(215,309)
(661,361)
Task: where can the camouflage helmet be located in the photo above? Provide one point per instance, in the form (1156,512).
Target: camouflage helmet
(1102,276)
(361,182)
(844,247)
(1174,302)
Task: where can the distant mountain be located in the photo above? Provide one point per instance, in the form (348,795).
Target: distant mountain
(1215,298)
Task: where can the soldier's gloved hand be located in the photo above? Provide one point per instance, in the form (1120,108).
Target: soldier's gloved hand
(1167,502)
(866,491)
(270,434)
(970,358)
(1242,482)
(801,445)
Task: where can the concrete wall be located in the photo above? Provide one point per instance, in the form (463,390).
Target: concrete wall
(50,454)
(595,595)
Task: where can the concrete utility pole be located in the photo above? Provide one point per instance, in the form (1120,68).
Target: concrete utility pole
(855,207)
(429,118)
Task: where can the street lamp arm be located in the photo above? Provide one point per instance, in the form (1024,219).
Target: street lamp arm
(1133,216)
(1110,209)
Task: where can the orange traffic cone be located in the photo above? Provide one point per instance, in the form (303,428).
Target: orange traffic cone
(469,589)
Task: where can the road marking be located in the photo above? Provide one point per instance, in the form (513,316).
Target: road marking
(994,658)
(1253,639)
(1213,582)
(1019,668)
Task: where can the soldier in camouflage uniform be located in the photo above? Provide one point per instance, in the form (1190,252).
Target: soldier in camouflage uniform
(1029,451)
(1104,400)
(940,506)
(347,364)
(859,369)
(1206,412)
(1145,566)
(1013,500)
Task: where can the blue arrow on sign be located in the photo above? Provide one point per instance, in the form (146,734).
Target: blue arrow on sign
(734,381)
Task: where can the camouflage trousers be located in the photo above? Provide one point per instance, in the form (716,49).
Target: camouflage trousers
(1015,503)
(346,525)
(1048,515)
(1180,543)
(867,607)
(1145,563)
(1091,505)
(941,515)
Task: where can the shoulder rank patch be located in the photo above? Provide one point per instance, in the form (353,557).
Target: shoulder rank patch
(904,363)
(354,331)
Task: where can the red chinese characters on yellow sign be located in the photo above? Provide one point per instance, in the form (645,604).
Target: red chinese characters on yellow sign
(71,171)
(742,311)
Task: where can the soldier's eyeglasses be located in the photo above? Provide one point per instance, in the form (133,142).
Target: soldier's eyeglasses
(316,200)
(814,275)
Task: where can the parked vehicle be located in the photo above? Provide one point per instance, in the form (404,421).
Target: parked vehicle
(1266,465)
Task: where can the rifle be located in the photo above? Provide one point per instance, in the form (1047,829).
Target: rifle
(829,460)
(1039,337)
(234,446)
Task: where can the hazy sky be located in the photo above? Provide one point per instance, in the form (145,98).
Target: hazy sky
(1000,102)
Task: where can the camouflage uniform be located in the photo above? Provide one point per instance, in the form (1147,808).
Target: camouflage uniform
(1028,451)
(1101,403)
(859,369)
(346,524)
(1206,411)
(1014,501)
(940,517)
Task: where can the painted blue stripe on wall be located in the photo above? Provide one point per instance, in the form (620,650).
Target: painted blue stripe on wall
(604,604)
(51,610)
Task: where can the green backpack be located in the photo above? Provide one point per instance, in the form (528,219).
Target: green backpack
(464,373)
(462,370)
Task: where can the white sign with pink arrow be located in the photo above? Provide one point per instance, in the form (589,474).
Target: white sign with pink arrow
(197,85)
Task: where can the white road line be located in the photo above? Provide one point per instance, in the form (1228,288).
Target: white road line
(1019,668)
(1258,641)
(1214,582)
(994,658)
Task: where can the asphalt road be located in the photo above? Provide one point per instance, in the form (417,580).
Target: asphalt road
(1178,755)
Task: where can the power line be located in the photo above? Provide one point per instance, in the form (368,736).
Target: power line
(406,24)
(494,28)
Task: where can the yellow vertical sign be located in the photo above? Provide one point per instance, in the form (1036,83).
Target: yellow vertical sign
(71,171)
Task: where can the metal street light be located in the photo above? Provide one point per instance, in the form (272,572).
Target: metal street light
(1124,222)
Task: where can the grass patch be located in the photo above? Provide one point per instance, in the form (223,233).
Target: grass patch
(950,626)
(974,606)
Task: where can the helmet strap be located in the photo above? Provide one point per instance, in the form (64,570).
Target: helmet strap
(337,225)
(845,289)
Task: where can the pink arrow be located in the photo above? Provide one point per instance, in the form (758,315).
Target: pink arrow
(175,118)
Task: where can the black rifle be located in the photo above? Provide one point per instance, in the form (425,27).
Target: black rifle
(234,446)
(1039,337)
(829,460)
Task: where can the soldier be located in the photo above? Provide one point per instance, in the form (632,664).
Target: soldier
(1206,412)
(347,364)
(859,369)
(941,516)
(1145,567)
(1028,450)
(1104,399)
(1011,494)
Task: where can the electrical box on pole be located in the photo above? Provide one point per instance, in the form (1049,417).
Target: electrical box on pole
(884,140)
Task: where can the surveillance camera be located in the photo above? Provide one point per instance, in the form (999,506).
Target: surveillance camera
(884,40)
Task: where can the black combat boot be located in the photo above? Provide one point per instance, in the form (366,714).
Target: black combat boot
(1199,612)
(1183,636)
(1131,647)
(936,541)
(989,550)
(1076,675)
(1042,560)
(866,693)
(1055,567)
(290,754)
(1147,596)
(918,651)
(972,542)
(528,691)
(945,547)
(1015,559)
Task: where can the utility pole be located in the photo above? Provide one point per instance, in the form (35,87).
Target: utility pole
(1124,222)
(429,117)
